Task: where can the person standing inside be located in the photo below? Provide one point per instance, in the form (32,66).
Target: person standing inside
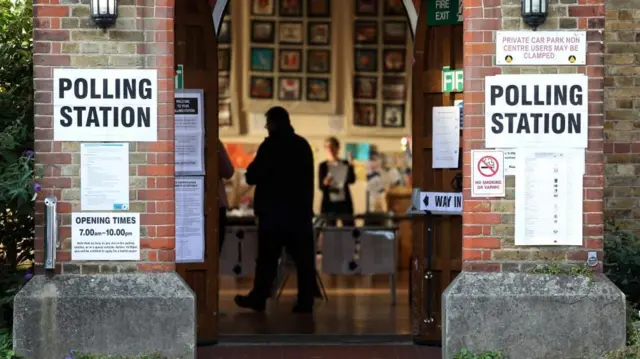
(335,176)
(283,174)
(226,172)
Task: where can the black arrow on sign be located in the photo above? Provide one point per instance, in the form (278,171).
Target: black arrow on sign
(426,201)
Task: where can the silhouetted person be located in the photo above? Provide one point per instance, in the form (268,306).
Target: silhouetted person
(282,172)
(335,176)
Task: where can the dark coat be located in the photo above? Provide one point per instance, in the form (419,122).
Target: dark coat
(336,208)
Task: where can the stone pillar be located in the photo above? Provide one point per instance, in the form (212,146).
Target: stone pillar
(106,307)
(495,304)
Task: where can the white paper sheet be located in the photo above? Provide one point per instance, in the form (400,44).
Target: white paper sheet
(338,173)
(446,137)
(549,187)
(239,253)
(189,197)
(104,176)
(510,161)
(338,249)
(189,132)
(377,252)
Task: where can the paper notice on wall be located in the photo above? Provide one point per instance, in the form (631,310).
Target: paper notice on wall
(446,137)
(189,201)
(377,252)
(105,236)
(338,249)
(189,132)
(104,176)
(239,253)
(336,124)
(510,161)
(549,189)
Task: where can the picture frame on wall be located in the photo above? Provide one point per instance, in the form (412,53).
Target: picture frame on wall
(365,114)
(394,60)
(365,32)
(224,60)
(393,116)
(319,33)
(365,87)
(318,61)
(318,8)
(224,91)
(261,87)
(262,8)
(366,60)
(394,88)
(394,33)
(262,59)
(289,88)
(290,8)
(263,31)
(225,32)
(290,32)
(224,114)
(317,89)
(290,60)
(394,8)
(366,7)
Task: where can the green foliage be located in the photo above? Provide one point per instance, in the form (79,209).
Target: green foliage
(558,269)
(6,345)
(467,354)
(622,261)
(90,356)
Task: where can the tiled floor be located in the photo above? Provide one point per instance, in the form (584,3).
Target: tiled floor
(319,352)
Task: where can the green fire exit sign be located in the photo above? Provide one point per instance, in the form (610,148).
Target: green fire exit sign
(452,80)
(444,12)
(179,79)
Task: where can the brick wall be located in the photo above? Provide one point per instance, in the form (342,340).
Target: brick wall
(622,112)
(64,36)
(488,232)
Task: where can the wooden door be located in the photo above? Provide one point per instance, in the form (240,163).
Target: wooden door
(435,47)
(196,49)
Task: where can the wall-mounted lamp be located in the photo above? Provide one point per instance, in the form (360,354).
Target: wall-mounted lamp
(534,12)
(104,12)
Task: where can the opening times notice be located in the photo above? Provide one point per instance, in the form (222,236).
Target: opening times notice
(105,236)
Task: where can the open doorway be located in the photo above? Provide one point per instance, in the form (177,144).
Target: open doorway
(342,69)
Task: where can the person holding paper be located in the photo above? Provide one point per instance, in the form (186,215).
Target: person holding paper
(226,172)
(335,176)
(282,172)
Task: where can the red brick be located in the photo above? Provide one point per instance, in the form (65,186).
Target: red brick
(481,242)
(156,267)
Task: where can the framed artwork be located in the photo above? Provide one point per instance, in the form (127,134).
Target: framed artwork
(289,88)
(317,89)
(290,8)
(262,31)
(261,87)
(290,33)
(394,88)
(318,8)
(319,33)
(262,8)
(224,59)
(224,87)
(261,59)
(394,7)
(366,60)
(224,114)
(394,60)
(393,116)
(366,7)
(394,33)
(365,87)
(224,37)
(364,114)
(319,61)
(366,32)
(290,60)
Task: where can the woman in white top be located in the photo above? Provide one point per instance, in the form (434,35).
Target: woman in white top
(226,172)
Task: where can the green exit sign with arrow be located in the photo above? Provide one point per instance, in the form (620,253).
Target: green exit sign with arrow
(452,80)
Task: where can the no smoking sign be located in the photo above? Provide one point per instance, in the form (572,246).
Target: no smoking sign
(487,176)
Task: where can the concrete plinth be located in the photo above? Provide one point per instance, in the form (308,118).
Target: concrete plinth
(532,316)
(125,314)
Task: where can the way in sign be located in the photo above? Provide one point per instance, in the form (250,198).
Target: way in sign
(441,202)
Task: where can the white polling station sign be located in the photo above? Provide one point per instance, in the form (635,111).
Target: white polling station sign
(105,236)
(441,202)
(487,175)
(541,48)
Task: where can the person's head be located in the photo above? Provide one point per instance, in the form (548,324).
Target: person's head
(277,120)
(332,145)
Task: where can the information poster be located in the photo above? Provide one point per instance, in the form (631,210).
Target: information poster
(189,135)
(548,197)
(446,137)
(189,198)
(105,237)
(104,176)
(519,48)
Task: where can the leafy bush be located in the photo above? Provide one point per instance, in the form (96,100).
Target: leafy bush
(622,261)
(467,354)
